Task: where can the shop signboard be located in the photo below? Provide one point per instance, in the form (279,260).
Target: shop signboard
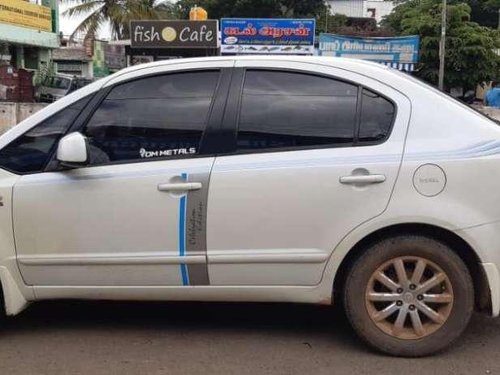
(267,36)
(24,14)
(399,52)
(174,34)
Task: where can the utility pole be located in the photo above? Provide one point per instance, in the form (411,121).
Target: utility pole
(328,9)
(442,47)
(326,21)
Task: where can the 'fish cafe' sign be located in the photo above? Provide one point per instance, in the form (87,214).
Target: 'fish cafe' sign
(174,34)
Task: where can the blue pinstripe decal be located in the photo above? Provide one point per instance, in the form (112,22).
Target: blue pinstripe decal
(482,149)
(182,234)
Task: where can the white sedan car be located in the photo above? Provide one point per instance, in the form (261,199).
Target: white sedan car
(283,179)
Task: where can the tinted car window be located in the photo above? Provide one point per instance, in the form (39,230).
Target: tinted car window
(161,116)
(286,109)
(377,116)
(30,152)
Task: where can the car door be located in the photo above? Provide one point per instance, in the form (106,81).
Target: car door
(316,152)
(136,214)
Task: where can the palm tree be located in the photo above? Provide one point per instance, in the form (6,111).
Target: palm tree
(118,13)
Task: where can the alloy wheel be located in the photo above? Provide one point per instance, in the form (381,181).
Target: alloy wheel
(409,297)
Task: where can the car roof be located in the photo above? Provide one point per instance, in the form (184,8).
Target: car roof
(340,62)
(377,71)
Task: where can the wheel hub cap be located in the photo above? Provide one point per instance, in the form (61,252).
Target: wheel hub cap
(408,297)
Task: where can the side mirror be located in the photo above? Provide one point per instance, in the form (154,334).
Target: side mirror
(72,150)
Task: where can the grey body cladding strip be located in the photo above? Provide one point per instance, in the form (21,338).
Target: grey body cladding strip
(197,201)
(196,228)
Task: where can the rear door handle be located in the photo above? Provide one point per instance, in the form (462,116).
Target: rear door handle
(362,179)
(180,187)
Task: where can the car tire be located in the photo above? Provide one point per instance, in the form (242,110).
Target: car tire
(409,296)
(3,314)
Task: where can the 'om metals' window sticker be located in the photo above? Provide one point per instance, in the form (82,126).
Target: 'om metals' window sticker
(169,152)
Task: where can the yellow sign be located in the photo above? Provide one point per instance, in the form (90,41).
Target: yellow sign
(22,13)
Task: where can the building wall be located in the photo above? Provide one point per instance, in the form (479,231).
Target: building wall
(21,35)
(13,113)
(29,37)
(362,8)
(349,8)
(79,68)
(382,9)
(43,56)
(100,67)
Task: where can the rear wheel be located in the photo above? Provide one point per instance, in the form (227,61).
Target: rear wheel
(409,296)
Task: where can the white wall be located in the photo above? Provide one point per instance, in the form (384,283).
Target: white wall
(382,8)
(88,69)
(13,113)
(349,8)
(359,8)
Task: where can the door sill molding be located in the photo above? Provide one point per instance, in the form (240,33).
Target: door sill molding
(268,256)
(113,260)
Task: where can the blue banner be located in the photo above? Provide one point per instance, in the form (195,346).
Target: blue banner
(397,50)
(268,36)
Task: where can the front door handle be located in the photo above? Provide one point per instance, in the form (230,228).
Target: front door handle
(180,187)
(362,179)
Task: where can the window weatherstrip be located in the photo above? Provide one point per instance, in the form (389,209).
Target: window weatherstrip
(357,119)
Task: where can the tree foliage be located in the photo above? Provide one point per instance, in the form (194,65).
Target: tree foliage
(328,23)
(485,12)
(470,48)
(117,13)
(252,8)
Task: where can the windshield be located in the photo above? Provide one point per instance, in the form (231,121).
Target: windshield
(59,83)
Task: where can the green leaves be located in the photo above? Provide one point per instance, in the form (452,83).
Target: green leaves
(470,48)
(252,8)
(118,13)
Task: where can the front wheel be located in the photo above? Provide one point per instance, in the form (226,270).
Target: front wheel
(409,296)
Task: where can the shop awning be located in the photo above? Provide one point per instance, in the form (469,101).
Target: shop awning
(29,37)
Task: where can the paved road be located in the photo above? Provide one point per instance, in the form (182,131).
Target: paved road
(163,338)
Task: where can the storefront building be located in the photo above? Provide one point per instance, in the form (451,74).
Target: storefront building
(73,61)
(28,32)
